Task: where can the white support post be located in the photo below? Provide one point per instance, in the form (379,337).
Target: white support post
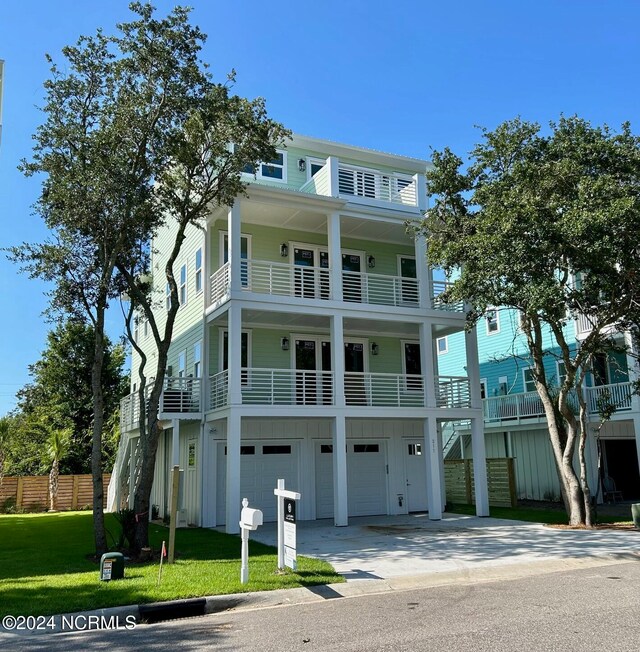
(340,504)
(206,265)
(479,467)
(427,364)
(234,252)
(333,164)
(335,255)
(337,359)
(234,353)
(232,506)
(421,191)
(434,480)
(175,443)
(632,370)
(473,367)
(423,273)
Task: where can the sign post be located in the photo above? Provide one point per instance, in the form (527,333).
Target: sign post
(286,526)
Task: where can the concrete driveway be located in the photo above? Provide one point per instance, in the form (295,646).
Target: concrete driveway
(386,547)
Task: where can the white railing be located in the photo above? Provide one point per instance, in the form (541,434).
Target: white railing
(617,394)
(267,277)
(525,405)
(379,289)
(320,183)
(181,395)
(129,412)
(584,324)
(453,392)
(394,188)
(218,390)
(438,304)
(286,387)
(384,390)
(220,281)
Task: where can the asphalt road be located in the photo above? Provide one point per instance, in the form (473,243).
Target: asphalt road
(596,608)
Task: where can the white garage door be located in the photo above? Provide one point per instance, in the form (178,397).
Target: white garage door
(366,479)
(261,464)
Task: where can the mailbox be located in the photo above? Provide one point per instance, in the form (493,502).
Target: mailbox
(250,518)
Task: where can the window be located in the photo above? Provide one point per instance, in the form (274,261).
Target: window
(199,270)
(483,388)
(415,449)
(183,285)
(493,321)
(273,170)
(276,450)
(529,383)
(443,345)
(245,246)
(562,372)
(168,297)
(145,327)
(244,354)
(366,448)
(192,455)
(197,359)
(314,165)
(136,328)
(182,364)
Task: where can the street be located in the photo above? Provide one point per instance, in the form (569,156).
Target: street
(596,608)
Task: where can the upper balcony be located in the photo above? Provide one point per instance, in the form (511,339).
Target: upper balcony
(181,398)
(367,186)
(297,281)
(526,407)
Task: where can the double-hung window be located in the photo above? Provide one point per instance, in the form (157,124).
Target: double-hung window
(273,170)
(183,285)
(198,276)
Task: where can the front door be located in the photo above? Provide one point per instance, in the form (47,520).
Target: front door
(355,388)
(408,284)
(312,357)
(416,476)
(304,272)
(351,277)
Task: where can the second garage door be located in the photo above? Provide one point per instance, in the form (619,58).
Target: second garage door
(366,479)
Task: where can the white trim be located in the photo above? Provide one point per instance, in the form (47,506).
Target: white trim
(487,321)
(199,361)
(247,236)
(183,285)
(182,356)
(399,258)
(319,339)
(524,380)
(444,339)
(246,382)
(558,374)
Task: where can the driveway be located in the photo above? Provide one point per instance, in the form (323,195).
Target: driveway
(386,547)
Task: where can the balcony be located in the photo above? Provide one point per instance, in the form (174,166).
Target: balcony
(292,387)
(180,398)
(527,406)
(360,185)
(297,281)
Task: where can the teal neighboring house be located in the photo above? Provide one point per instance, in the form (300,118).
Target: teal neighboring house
(305,349)
(514,420)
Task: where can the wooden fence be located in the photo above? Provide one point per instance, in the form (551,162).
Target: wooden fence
(31,493)
(501,480)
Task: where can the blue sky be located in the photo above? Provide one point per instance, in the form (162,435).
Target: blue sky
(401,76)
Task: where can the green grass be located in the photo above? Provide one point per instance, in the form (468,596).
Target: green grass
(547,515)
(44,567)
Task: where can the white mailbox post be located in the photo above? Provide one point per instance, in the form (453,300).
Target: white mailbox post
(250,519)
(288,540)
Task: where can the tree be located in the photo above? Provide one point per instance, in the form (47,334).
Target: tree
(4,442)
(133,128)
(61,386)
(548,225)
(57,446)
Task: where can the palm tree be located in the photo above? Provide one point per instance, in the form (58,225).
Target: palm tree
(57,447)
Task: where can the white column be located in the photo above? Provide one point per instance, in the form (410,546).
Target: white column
(335,255)
(340,502)
(479,467)
(423,273)
(232,502)
(427,363)
(421,191)
(432,461)
(206,266)
(332,164)
(337,359)
(234,343)
(234,254)
(175,443)
(473,367)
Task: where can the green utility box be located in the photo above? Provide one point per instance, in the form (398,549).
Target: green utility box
(111,566)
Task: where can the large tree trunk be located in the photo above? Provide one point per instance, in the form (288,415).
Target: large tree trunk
(99,534)
(53,485)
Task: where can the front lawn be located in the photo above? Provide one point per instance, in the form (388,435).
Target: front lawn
(44,567)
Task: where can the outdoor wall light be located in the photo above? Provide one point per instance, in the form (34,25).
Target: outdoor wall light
(371,261)
(284,343)
(375,349)
(284,249)
(302,165)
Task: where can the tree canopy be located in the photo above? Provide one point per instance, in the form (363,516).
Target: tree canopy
(548,224)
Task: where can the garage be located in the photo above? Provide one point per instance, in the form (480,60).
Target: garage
(366,478)
(261,464)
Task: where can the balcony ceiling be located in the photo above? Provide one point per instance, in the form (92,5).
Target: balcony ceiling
(297,218)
